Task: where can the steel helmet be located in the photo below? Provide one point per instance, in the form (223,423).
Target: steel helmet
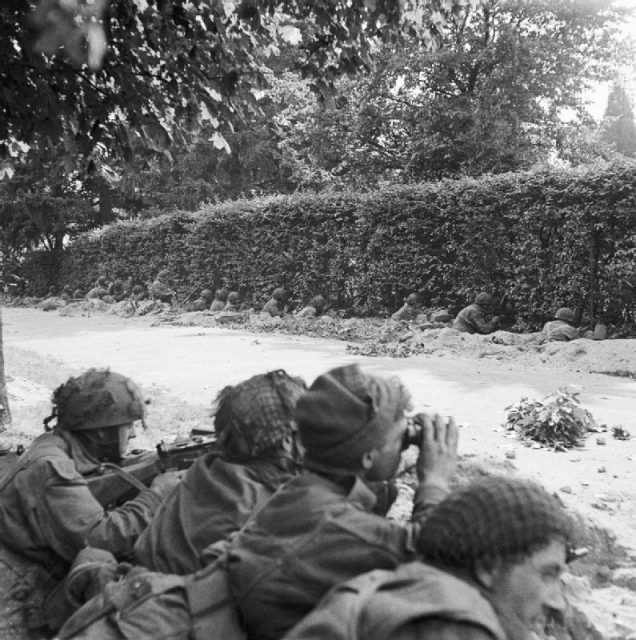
(566,314)
(318,302)
(280,294)
(96,399)
(412,298)
(484,299)
(207,294)
(234,297)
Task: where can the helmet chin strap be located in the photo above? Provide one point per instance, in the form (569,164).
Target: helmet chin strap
(48,419)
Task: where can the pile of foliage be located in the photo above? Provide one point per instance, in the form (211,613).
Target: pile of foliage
(557,421)
(546,239)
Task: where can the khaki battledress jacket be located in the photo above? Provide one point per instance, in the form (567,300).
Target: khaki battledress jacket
(312,534)
(47,512)
(214,499)
(415,602)
(474,319)
(160,291)
(559,331)
(274,308)
(406,313)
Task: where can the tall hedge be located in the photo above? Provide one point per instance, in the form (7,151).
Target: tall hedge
(547,239)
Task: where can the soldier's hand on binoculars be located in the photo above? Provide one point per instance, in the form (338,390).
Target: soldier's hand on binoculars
(437,461)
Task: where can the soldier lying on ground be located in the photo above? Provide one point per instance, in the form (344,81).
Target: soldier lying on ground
(319,529)
(120,290)
(161,290)
(100,289)
(67,293)
(233,302)
(138,293)
(495,551)
(47,512)
(203,302)
(220,299)
(409,310)
(563,328)
(277,304)
(477,317)
(316,307)
(257,453)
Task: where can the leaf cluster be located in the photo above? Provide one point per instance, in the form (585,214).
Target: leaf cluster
(170,66)
(557,421)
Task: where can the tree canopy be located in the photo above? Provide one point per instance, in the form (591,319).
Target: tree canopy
(493,96)
(107,72)
(619,129)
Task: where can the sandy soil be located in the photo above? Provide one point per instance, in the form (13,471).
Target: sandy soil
(182,367)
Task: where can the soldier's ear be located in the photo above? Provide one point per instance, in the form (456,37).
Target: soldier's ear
(486,575)
(368,459)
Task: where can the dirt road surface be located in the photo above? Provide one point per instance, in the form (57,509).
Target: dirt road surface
(182,368)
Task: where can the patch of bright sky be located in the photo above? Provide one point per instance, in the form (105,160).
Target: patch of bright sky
(598,96)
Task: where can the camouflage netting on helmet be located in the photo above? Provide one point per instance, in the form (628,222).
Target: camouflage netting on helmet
(96,399)
(496,517)
(259,411)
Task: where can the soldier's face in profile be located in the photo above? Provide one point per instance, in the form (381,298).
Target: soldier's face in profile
(387,457)
(109,444)
(531,588)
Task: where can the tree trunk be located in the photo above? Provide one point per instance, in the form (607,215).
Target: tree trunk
(5,412)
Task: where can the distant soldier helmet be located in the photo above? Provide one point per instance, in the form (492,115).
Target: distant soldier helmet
(484,299)
(234,297)
(137,289)
(103,280)
(566,314)
(164,273)
(67,288)
(118,285)
(318,302)
(77,293)
(280,294)
(206,294)
(96,399)
(222,294)
(413,298)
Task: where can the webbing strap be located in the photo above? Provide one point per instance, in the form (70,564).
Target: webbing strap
(124,475)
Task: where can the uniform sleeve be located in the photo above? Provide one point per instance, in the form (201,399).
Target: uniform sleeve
(427,495)
(160,289)
(72,518)
(479,323)
(438,629)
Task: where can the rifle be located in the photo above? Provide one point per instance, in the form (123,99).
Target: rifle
(113,484)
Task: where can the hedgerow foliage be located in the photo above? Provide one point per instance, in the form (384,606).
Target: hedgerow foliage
(547,239)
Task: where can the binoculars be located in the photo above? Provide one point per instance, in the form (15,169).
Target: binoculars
(413,433)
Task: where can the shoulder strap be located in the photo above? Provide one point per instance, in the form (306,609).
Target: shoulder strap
(124,475)
(23,461)
(211,603)
(390,600)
